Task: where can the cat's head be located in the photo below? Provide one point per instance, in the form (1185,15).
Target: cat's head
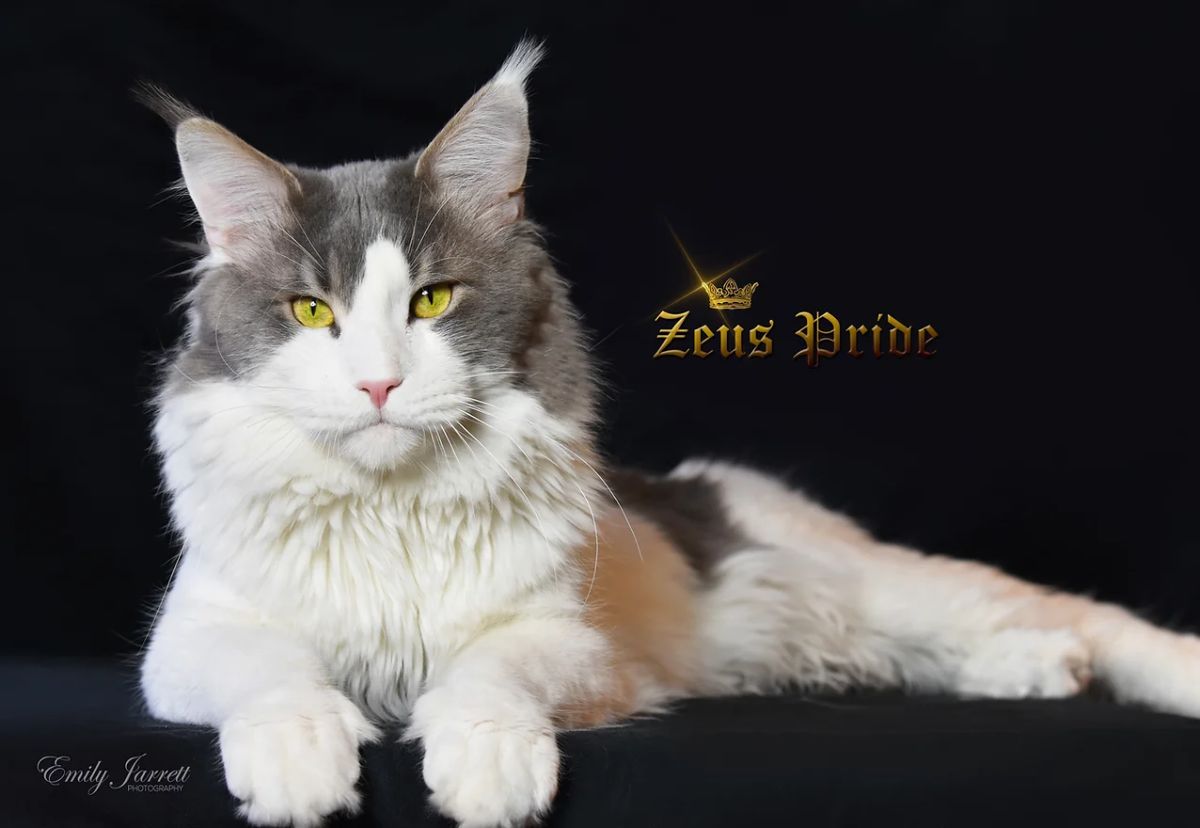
(373,303)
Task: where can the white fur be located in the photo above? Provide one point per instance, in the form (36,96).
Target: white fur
(331,555)
(439,589)
(380,308)
(815,601)
(414,561)
(517,67)
(314,376)
(291,755)
(490,755)
(1021,663)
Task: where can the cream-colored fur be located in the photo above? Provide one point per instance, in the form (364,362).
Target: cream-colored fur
(815,601)
(448,559)
(308,582)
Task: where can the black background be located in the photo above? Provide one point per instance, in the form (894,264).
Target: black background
(1021,175)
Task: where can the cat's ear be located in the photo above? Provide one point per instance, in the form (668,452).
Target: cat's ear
(478,159)
(240,194)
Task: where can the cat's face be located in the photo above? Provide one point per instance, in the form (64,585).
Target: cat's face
(379,305)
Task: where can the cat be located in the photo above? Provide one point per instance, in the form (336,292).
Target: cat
(378,437)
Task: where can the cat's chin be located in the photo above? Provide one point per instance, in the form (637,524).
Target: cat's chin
(380,447)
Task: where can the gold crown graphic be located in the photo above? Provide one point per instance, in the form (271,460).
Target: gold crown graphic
(729,296)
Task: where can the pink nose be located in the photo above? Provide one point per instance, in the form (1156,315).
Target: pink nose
(378,390)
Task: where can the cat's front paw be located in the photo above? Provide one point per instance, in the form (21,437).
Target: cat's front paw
(291,756)
(492,764)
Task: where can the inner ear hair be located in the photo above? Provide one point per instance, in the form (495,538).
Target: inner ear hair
(478,159)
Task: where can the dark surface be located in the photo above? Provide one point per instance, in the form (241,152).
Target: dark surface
(858,760)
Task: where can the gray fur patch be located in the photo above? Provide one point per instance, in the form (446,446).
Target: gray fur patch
(689,511)
(514,319)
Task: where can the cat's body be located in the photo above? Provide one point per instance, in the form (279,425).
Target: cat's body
(378,437)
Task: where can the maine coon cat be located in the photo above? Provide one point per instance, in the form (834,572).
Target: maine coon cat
(377,435)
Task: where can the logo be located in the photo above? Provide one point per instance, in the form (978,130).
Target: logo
(821,334)
(135,776)
(729,296)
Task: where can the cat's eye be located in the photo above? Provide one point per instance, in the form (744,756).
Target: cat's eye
(311,312)
(432,301)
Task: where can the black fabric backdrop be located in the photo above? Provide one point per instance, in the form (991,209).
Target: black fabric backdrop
(1021,175)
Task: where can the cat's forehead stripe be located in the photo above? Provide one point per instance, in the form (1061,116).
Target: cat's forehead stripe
(385,275)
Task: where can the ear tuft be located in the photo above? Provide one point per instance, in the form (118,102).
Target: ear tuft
(164,104)
(520,64)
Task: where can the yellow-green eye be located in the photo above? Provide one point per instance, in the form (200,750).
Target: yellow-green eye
(312,312)
(432,301)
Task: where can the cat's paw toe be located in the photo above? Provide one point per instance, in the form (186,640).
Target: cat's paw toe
(291,757)
(491,770)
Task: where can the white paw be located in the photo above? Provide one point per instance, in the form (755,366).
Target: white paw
(1024,663)
(487,764)
(291,756)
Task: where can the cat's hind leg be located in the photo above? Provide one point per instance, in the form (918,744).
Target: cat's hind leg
(1025,663)
(822,603)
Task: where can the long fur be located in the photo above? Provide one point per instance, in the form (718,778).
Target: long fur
(452,556)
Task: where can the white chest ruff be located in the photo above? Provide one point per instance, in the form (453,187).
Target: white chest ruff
(382,575)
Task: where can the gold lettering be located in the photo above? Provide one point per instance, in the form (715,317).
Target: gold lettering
(737,350)
(669,335)
(760,340)
(820,336)
(924,336)
(898,327)
(854,332)
(816,338)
